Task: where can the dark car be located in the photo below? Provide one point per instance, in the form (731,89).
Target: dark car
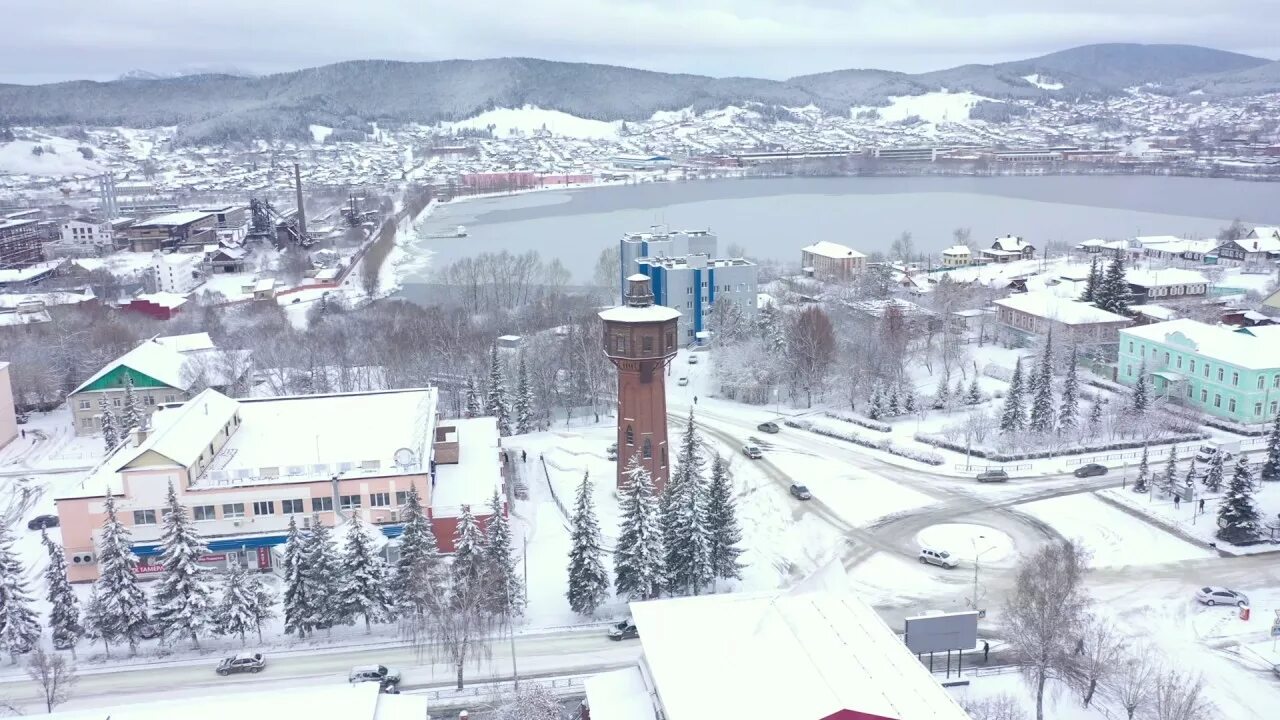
(768,427)
(149,631)
(41,522)
(800,492)
(244,662)
(1090,470)
(625,630)
(993,476)
(22,418)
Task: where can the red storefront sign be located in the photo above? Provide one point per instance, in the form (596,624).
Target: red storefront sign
(264,558)
(146,567)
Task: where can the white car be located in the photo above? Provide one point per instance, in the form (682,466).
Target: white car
(941,558)
(693,359)
(752,451)
(1214,595)
(682,381)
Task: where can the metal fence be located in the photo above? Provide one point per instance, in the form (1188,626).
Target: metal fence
(984,468)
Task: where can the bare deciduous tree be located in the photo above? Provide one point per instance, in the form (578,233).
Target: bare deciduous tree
(457,624)
(533,702)
(995,707)
(1176,696)
(53,674)
(1045,615)
(1134,678)
(1096,661)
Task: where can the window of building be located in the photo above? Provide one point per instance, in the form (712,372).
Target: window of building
(402,498)
(688,305)
(84,405)
(1272,409)
(619,343)
(289,507)
(380,499)
(647,450)
(1217,400)
(1179,362)
(1261,381)
(1128,370)
(322,504)
(1166,359)
(144,517)
(349,502)
(1204,396)
(1231,405)
(148,400)
(704,284)
(1192,364)
(1257,408)
(232,510)
(264,507)
(1190,391)
(1206,369)
(1130,346)
(688,290)
(115,401)
(631,436)
(1276,382)
(1235,379)
(170,398)
(203,513)
(1221,374)
(646,344)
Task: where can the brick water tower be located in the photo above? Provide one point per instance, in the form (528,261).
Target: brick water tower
(640,339)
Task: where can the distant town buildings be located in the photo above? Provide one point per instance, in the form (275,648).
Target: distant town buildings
(168,232)
(1024,316)
(1146,285)
(1260,247)
(1228,373)
(957,256)
(826,260)
(19,242)
(87,234)
(1007,249)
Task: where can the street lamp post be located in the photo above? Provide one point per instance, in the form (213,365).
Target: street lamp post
(977,557)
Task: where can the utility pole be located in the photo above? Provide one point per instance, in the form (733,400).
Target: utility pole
(302,212)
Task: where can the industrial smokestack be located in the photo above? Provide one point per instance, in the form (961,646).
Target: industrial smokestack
(302,213)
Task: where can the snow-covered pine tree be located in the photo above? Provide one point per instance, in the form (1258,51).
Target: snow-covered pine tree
(184,598)
(1113,294)
(19,625)
(1091,283)
(1170,479)
(1042,401)
(974,396)
(110,435)
(894,407)
(722,524)
(1190,481)
(234,614)
(1271,466)
(1238,513)
(1141,398)
(419,569)
(474,407)
(1069,410)
(942,395)
(1213,478)
(299,596)
(496,405)
(321,566)
(468,548)
(524,398)
(638,558)
(132,415)
(500,562)
(1095,416)
(685,530)
(957,394)
(96,626)
(1013,417)
(876,405)
(909,402)
(64,607)
(588,580)
(123,612)
(1142,482)
(362,584)
(264,602)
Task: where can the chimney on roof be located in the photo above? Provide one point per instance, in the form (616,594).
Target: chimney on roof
(141,433)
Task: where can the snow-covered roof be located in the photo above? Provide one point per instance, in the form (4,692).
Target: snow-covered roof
(165,359)
(17,275)
(61,297)
(472,480)
(1145,240)
(181,434)
(185,217)
(1165,277)
(1265,241)
(957,250)
(828,249)
(163,299)
(647,314)
(638,277)
(764,655)
(1010,243)
(1059,309)
(324,701)
(1158,312)
(1255,348)
(187,343)
(619,695)
(1264,231)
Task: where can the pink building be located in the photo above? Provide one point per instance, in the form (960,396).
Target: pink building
(243,468)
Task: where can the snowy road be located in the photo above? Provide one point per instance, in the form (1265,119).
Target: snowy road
(560,653)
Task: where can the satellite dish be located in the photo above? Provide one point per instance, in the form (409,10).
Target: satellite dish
(406,458)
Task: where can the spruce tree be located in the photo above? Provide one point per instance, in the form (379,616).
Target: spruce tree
(524,398)
(1042,400)
(299,595)
(123,613)
(1190,481)
(894,406)
(588,580)
(64,607)
(1213,478)
(1113,293)
(1141,398)
(957,395)
(722,524)
(184,599)
(910,403)
(1091,283)
(362,586)
(505,586)
(1095,417)
(468,549)
(638,558)
(19,624)
(974,396)
(1170,479)
(96,624)
(942,395)
(132,416)
(110,435)
(321,567)
(264,602)
(496,404)
(1238,513)
(234,614)
(1271,466)
(876,405)
(419,570)
(1013,417)
(1142,482)
(685,529)
(474,408)
(1069,410)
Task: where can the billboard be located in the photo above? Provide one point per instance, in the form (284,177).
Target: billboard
(940,633)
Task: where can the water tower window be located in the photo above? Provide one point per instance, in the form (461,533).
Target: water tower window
(646,343)
(648,449)
(631,436)
(671,340)
(620,343)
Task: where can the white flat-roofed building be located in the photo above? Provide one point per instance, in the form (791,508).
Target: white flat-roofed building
(661,243)
(177,273)
(86,234)
(827,260)
(1036,313)
(695,283)
(957,256)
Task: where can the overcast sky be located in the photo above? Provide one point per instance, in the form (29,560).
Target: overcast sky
(52,40)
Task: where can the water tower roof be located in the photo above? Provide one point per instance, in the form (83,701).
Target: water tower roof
(638,277)
(645,314)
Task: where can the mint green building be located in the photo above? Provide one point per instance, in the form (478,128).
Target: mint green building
(1231,373)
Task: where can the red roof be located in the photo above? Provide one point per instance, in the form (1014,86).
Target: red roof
(855,715)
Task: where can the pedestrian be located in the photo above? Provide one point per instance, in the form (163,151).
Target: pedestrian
(524,456)
(1201,510)
(986,650)
(1177,501)
(24,433)
(1080,646)
(695,399)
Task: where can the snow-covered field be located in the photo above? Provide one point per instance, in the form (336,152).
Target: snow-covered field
(1186,517)
(932,107)
(530,119)
(1113,537)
